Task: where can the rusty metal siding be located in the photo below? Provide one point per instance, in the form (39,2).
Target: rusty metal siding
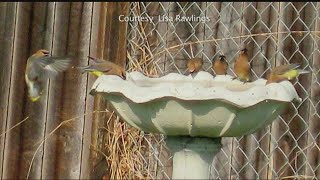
(64,29)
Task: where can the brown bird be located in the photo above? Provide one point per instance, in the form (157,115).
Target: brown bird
(242,66)
(40,66)
(102,67)
(220,66)
(285,72)
(194,65)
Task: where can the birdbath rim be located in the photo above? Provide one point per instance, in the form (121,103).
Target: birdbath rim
(139,88)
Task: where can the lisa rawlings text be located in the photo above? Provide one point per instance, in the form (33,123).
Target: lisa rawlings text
(181,18)
(164,18)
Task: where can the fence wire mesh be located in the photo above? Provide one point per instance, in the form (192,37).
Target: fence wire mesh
(275,33)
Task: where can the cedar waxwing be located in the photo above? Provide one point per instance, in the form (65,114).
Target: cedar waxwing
(220,66)
(103,67)
(285,72)
(194,65)
(242,66)
(39,66)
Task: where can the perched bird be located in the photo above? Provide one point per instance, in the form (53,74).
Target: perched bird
(285,72)
(220,66)
(40,66)
(103,67)
(194,65)
(242,66)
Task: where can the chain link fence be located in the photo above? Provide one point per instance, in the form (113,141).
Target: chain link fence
(163,35)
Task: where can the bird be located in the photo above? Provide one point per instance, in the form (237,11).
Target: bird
(103,67)
(39,66)
(285,72)
(242,66)
(194,65)
(220,66)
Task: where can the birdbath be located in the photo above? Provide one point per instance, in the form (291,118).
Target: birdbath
(194,112)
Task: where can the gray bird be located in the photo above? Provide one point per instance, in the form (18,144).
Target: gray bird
(102,67)
(40,66)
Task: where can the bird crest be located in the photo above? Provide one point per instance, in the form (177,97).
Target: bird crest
(42,52)
(222,57)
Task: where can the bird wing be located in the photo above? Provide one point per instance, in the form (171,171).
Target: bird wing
(96,60)
(284,68)
(101,67)
(198,60)
(105,67)
(51,66)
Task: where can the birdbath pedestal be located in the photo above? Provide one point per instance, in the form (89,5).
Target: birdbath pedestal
(194,112)
(192,156)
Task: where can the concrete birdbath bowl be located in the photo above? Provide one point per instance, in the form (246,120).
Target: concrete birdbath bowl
(194,112)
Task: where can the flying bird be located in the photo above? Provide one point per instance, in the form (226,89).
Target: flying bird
(40,66)
(220,66)
(242,66)
(284,72)
(194,65)
(102,67)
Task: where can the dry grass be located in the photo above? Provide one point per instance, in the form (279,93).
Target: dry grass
(125,151)
(16,125)
(50,134)
(128,153)
(143,50)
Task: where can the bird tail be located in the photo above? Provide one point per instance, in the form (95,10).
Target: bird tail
(96,60)
(303,71)
(92,58)
(300,71)
(294,66)
(55,65)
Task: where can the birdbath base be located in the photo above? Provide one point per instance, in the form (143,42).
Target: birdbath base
(192,156)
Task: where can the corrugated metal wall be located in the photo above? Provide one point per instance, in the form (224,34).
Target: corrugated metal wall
(74,29)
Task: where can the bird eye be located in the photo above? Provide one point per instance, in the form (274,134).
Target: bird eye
(244,50)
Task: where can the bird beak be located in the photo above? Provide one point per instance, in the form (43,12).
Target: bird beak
(123,75)
(46,53)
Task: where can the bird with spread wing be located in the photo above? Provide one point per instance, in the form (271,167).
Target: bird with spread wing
(41,66)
